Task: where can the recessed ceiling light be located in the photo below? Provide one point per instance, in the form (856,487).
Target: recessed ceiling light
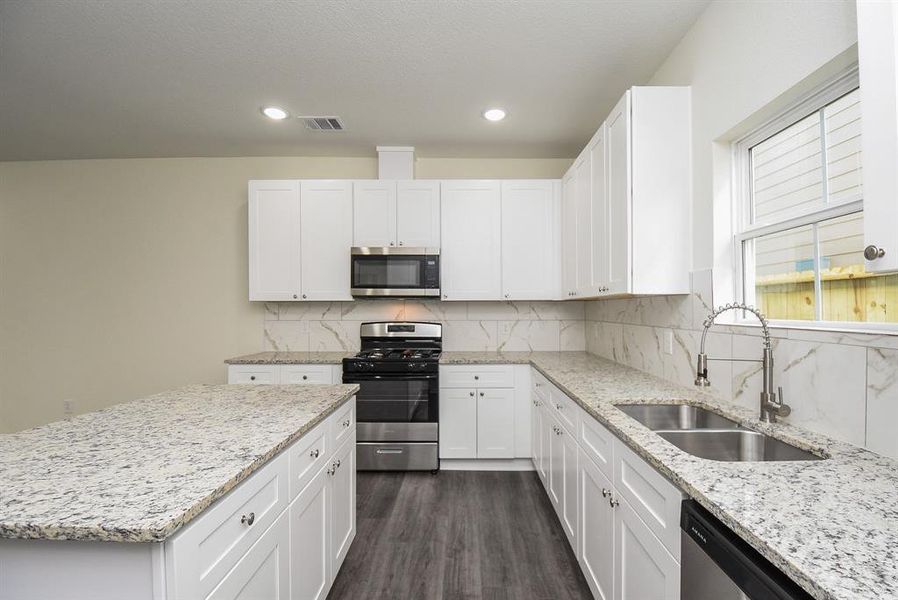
(494,114)
(275,113)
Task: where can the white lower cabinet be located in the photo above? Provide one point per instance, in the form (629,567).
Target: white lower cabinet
(309,564)
(596,529)
(619,514)
(643,568)
(285,374)
(341,519)
(263,572)
(495,439)
(458,423)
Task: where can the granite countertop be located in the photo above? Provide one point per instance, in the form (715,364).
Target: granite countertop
(290,358)
(138,471)
(831,525)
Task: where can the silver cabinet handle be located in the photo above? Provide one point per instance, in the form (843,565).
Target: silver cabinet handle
(295,296)
(252,377)
(303,296)
(872,252)
(614,503)
(331,471)
(506,295)
(304,377)
(476,377)
(314,453)
(400,243)
(389,451)
(347,423)
(445,296)
(471,394)
(338,464)
(391,243)
(481,394)
(558,406)
(248,520)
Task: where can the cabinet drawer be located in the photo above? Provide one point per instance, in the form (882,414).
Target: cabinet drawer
(307,455)
(477,376)
(540,385)
(209,547)
(253,374)
(342,423)
(597,443)
(565,409)
(307,374)
(652,497)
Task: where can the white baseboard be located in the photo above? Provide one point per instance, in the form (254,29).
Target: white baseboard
(487,464)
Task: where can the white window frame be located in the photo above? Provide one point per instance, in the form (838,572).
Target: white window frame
(745,230)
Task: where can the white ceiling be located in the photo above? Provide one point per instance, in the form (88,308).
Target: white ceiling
(144,78)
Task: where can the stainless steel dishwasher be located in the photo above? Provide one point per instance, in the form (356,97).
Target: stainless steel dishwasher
(719,565)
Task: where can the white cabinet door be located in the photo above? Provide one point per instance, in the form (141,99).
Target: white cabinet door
(341,518)
(418,213)
(373,213)
(264,571)
(274,240)
(529,257)
(598,279)
(309,550)
(470,229)
(643,568)
(584,233)
(495,423)
(458,423)
(877,27)
(555,465)
(569,496)
(596,529)
(618,230)
(568,235)
(326,239)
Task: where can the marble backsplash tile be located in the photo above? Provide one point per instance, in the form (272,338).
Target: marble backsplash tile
(843,384)
(334,326)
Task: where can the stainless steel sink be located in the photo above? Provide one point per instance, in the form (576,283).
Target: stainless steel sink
(676,416)
(734,445)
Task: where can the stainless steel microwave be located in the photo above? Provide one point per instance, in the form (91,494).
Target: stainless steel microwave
(398,272)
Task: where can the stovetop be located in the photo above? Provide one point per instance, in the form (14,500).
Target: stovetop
(399,354)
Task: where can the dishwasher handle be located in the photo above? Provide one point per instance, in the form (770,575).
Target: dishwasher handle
(756,576)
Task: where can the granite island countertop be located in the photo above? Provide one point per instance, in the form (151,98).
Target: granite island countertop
(140,470)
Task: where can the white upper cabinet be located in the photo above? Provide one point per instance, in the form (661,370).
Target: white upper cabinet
(396,213)
(530,251)
(569,235)
(877,29)
(374,213)
(418,213)
(631,199)
(470,261)
(326,236)
(274,240)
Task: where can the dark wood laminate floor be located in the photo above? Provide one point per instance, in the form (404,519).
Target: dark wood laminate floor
(457,535)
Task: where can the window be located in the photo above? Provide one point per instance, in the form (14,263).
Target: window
(800,236)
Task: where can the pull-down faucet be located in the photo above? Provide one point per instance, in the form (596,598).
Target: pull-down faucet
(770,408)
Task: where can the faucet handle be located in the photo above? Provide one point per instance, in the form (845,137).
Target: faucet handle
(782,409)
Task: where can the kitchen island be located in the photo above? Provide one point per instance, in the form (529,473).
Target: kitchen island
(170,496)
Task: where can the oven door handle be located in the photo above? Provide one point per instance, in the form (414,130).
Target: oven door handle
(358,379)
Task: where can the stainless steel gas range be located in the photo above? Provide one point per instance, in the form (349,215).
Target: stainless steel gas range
(397,406)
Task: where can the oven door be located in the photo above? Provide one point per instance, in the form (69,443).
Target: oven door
(397,272)
(396,407)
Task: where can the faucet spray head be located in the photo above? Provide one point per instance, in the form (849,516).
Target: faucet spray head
(701,370)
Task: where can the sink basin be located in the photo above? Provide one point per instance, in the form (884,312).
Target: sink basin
(734,445)
(676,416)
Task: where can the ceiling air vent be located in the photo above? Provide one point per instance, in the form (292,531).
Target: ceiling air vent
(322,123)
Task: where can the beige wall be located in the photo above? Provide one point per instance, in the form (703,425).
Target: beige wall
(121,278)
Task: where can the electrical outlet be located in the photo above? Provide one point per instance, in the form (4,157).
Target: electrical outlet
(68,408)
(668,342)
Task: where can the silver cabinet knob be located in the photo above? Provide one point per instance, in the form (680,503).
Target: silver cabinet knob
(445,296)
(481,394)
(295,296)
(506,295)
(248,520)
(400,243)
(314,453)
(605,493)
(471,394)
(338,464)
(476,377)
(347,423)
(303,296)
(391,243)
(304,377)
(614,503)
(252,377)
(872,252)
